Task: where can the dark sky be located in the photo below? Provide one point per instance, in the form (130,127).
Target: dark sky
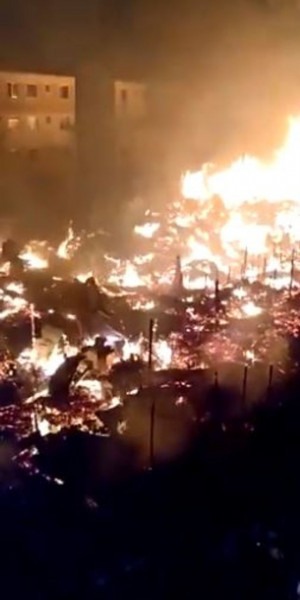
(174,34)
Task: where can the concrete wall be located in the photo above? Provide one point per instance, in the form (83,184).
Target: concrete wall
(36,111)
(132,139)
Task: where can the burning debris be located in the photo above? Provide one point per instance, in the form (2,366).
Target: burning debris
(75,338)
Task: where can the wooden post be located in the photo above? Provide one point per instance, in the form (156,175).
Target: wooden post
(150,350)
(244,388)
(229,276)
(244,265)
(216,380)
(264,270)
(32,326)
(292,272)
(270,382)
(217,295)
(152,404)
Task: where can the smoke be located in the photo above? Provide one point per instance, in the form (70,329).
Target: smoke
(239,62)
(236,64)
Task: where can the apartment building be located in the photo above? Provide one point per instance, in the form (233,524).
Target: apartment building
(112,132)
(128,133)
(37,111)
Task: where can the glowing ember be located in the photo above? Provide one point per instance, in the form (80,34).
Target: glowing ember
(43,427)
(93,387)
(143,305)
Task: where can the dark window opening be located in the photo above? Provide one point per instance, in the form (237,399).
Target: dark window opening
(32,91)
(124,96)
(65,123)
(13,90)
(64,92)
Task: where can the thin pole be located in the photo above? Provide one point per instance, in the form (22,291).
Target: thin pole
(206,282)
(152,409)
(229,276)
(32,326)
(150,351)
(270,382)
(292,271)
(216,380)
(264,271)
(217,295)
(244,388)
(245,263)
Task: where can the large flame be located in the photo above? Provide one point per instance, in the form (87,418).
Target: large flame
(249,179)
(261,200)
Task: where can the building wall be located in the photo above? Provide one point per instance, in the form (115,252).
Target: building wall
(128,134)
(36,111)
(130,101)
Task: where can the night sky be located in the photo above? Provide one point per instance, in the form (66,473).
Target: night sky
(176,36)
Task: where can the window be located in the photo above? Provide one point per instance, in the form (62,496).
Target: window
(124,97)
(64,92)
(66,123)
(47,88)
(32,91)
(13,122)
(48,120)
(33,123)
(13,90)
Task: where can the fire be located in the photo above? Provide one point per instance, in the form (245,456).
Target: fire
(93,387)
(83,277)
(143,305)
(163,353)
(46,363)
(245,235)
(132,348)
(238,223)
(147,230)
(15,287)
(127,277)
(65,247)
(249,179)
(251,310)
(33,260)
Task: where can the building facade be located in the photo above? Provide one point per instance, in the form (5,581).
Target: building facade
(38,160)
(132,135)
(37,111)
(110,117)
(124,137)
